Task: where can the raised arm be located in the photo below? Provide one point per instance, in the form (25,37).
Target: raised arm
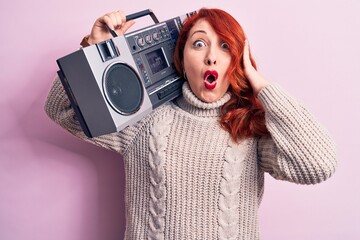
(298,149)
(58,106)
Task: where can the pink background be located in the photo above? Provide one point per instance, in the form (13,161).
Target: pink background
(54,186)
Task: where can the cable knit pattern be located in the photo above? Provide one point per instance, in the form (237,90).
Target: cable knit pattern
(157,144)
(185,179)
(229,189)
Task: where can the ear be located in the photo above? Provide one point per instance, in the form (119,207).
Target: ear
(184,72)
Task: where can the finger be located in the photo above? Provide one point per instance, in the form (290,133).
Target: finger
(108,21)
(125,27)
(119,21)
(246,49)
(246,55)
(122,18)
(114,20)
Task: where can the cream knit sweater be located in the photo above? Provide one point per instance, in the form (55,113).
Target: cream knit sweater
(186,178)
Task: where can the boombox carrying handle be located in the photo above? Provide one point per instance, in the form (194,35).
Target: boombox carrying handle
(135,16)
(141,14)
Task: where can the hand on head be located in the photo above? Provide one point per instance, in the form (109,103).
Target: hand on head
(115,21)
(256,80)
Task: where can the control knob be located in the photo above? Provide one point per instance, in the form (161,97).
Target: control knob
(148,39)
(156,36)
(140,42)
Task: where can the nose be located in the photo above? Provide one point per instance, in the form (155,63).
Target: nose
(210,62)
(210,58)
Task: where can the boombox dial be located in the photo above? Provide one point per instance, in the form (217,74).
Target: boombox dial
(140,42)
(148,39)
(156,36)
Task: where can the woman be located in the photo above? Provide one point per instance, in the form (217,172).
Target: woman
(195,166)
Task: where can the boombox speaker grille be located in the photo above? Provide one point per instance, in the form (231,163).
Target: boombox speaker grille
(123,88)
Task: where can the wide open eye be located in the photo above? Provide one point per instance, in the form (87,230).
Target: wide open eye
(199,44)
(225,45)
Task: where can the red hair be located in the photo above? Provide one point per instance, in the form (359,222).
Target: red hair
(242,116)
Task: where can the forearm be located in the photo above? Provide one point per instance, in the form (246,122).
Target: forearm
(305,152)
(59,109)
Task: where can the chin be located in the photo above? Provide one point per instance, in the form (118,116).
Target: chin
(210,97)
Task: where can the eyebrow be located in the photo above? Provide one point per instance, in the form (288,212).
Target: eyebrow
(198,31)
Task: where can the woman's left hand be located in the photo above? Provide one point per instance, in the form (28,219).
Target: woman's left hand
(257,81)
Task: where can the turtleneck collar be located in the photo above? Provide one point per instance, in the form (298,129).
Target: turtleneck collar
(190,103)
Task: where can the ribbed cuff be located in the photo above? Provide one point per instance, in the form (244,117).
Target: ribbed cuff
(85,41)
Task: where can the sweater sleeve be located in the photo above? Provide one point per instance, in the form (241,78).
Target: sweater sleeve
(58,108)
(298,149)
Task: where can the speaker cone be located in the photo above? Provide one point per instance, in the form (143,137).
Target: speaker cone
(123,88)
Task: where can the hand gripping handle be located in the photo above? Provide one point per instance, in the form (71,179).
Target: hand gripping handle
(135,16)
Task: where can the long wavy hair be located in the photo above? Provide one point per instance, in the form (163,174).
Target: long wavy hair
(242,116)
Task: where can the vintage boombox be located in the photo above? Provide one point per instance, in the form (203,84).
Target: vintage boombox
(116,83)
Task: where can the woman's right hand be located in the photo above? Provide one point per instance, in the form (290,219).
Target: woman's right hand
(115,21)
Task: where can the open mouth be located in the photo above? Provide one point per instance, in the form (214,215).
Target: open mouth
(210,78)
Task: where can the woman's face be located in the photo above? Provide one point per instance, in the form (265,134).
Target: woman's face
(206,61)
